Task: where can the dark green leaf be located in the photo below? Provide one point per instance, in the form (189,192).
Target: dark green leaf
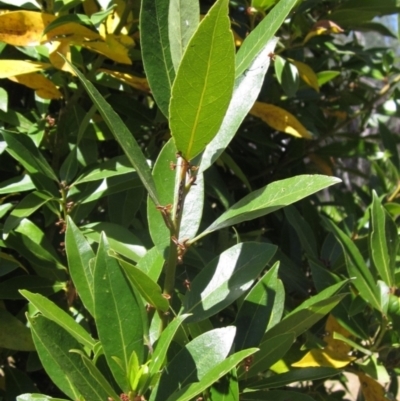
(156,53)
(9,289)
(276,395)
(126,140)
(79,253)
(271,198)
(118,315)
(226,278)
(14,335)
(17,184)
(262,34)
(52,312)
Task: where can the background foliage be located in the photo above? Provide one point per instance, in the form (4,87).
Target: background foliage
(313,286)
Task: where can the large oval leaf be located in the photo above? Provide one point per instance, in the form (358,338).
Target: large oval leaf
(225,278)
(204,82)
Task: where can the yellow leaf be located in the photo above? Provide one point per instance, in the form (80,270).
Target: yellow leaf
(280,119)
(116,47)
(11,68)
(114,18)
(43,87)
(336,352)
(319,357)
(306,74)
(71,32)
(371,389)
(323,166)
(323,27)
(23,28)
(57,48)
(136,82)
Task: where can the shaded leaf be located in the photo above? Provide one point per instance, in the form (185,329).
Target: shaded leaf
(14,335)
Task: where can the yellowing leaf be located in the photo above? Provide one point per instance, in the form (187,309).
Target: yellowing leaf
(90,7)
(320,357)
(323,166)
(23,28)
(336,352)
(57,48)
(280,119)
(306,74)
(43,87)
(71,32)
(116,47)
(114,18)
(11,68)
(323,27)
(136,82)
(371,389)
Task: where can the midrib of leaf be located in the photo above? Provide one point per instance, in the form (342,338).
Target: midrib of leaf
(67,357)
(191,139)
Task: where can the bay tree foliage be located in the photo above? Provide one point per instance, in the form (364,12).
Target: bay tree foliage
(198,200)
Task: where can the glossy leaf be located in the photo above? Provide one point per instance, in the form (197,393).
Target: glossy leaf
(245,92)
(25,208)
(199,101)
(79,253)
(213,375)
(156,52)
(225,278)
(121,240)
(226,388)
(118,314)
(37,397)
(14,335)
(262,34)
(271,351)
(183,19)
(256,310)
(295,375)
(163,343)
(17,184)
(52,312)
(164,179)
(194,361)
(65,368)
(123,136)
(356,267)
(271,198)
(147,288)
(378,242)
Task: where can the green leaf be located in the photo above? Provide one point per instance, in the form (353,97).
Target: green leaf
(118,315)
(52,312)
(303,230)
(9,289)
(378,242)
(116,166)
(199,101)
(356,267)
(14,335)
(65,368)
(147,288)
(23,149)
(262,34)
(80,19)
(151,264)
(212,376)
(183,19)
(17,184)
(225,279)
(275,395)
(271,351)
(194,361)
(163,343)
(256,310)
(326,76)
(99,378)
(270,198)
(37,397)
(164,179)
(121,240)
(79,253)
(25,208)
(123,136)
(245,92)
(296,375)
(156,53)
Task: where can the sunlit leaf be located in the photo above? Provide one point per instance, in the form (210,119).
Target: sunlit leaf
(12,68)
(42,86)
